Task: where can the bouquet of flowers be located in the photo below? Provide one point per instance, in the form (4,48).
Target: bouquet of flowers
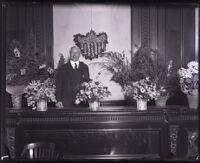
(37,90)
(143,89)
(189,78)
(92,91)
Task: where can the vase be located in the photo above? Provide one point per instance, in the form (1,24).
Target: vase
(16,101)
(161,101)
(94,106)
(42,105)
(16,95)
(193,100)
(141,104)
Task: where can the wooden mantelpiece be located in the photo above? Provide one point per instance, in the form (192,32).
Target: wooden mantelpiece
(113,132)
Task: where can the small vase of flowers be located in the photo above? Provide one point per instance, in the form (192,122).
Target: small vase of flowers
(39,93)
(141,91)
(189,82)
(92,92)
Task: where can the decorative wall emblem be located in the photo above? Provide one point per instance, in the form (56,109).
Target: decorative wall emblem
(91,44)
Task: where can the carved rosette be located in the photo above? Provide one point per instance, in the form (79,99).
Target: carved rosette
(173,138)
(192,143)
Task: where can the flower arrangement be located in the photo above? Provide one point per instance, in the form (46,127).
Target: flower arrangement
(92,91)
(37,90)
(143,89)
(189,78)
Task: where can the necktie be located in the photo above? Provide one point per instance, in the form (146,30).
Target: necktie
(75,67)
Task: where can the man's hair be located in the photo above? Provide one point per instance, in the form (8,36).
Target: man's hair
(74,47)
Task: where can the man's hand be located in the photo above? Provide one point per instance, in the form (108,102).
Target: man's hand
(59,105)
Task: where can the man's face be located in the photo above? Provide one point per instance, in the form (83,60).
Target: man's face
(75,54)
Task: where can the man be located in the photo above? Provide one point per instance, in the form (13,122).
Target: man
(69,78)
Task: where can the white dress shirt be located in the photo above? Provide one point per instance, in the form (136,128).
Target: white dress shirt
(73,63)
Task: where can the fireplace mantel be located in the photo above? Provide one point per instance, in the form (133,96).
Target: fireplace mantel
(113,132)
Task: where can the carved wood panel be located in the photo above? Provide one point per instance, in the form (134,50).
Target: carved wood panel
(173,138)
(145,26)
(193,144)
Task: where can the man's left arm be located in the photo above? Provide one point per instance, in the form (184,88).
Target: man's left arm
(86,73)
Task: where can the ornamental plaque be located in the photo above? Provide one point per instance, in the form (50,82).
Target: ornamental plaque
(91,44)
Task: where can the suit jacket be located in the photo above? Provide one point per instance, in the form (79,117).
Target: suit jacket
(68,81)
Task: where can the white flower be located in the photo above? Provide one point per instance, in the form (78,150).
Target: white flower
(42,66)
(142,90)
(23,71)
(50,70)
(193,65)
(77,101)
(16,52)
(81,91)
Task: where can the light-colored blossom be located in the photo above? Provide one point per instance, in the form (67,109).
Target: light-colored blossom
(16,52)
(189,79)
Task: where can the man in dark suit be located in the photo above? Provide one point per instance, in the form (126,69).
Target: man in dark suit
(69,78)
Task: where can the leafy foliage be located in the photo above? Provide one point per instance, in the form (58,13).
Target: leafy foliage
(23,64)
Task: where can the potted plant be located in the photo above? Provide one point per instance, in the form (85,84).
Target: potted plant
(20,69)
(165,81)
(189,82)
(39,93)
(92,92)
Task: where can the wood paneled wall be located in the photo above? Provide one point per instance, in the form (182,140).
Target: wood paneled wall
(31,22)
(169,29)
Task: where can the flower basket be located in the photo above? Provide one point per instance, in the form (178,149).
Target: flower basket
(42,105)
(193,100)
(161,101)
(141,104)
(94,106)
